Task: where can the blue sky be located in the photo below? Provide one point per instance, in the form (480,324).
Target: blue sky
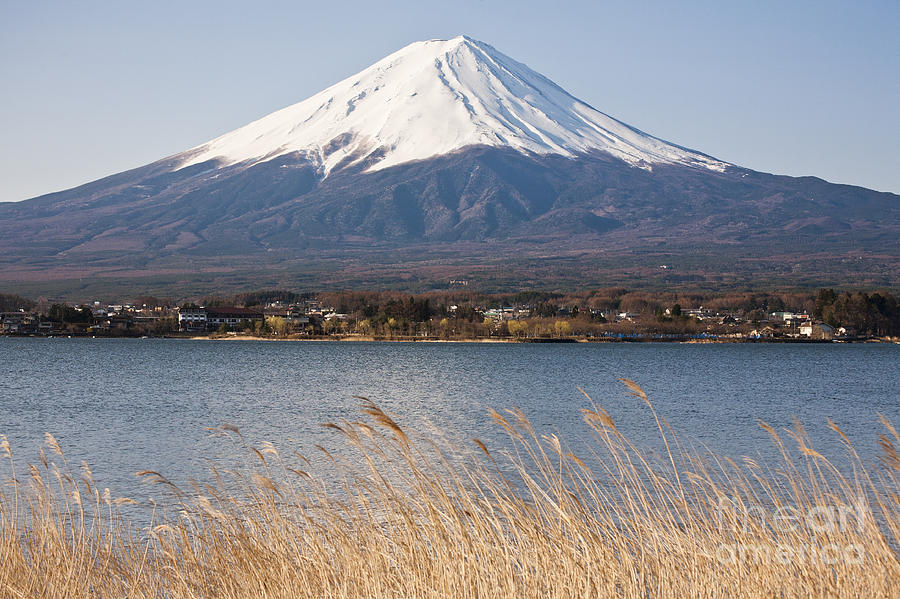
(797,88)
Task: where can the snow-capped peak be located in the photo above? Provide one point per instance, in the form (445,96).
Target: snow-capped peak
(434,97)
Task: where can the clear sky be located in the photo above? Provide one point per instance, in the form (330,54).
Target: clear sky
(798,88)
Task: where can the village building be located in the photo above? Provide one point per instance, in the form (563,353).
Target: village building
(12,322)
(192,319)
(790,319)
(293,315)
(817,331)
(700,313)
(845,332)
(766,332)
(230,316)
(629,316)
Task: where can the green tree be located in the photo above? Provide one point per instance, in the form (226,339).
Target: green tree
(487,325)
(364,326)
(518,328)
(824,301)
(12,303)
(277,325)
(391,325)
(68,314)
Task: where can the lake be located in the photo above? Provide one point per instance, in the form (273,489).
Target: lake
(132,404)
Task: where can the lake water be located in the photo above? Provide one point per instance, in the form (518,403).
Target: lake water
(132,404)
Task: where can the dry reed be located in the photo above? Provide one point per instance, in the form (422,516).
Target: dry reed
(399,515)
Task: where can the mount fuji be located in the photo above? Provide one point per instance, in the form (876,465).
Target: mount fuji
(433,98)
(447,160)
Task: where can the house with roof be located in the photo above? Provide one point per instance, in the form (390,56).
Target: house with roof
(231,316)
(192,319)
(818,330)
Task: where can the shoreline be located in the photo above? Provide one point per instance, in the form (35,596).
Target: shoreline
(504,340)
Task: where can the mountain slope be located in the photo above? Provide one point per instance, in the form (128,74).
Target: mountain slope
(432,98)
(446,160)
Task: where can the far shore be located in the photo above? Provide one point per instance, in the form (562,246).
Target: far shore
(368,338)
(648,338)
(554,340)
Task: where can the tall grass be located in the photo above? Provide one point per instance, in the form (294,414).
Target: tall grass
(403,515)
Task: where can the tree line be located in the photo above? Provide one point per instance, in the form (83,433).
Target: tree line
(870,314)
(460,313)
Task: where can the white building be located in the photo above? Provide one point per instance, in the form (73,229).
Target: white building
(192,319)
(816,331)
